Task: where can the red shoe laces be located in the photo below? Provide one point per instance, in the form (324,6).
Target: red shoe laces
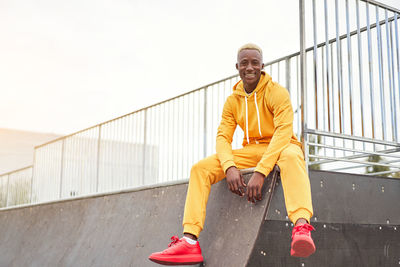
(303,229)
(175,240)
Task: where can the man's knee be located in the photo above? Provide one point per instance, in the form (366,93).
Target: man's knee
(289,154)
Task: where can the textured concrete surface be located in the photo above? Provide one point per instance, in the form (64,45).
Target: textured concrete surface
(124,229)
(357,220)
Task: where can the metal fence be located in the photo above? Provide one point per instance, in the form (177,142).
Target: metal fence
(351,86)
(15,187)
(348,118)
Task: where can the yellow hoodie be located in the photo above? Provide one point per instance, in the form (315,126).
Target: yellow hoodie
(269,120)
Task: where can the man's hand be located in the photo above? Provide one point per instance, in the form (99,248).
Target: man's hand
(254,187)
(235,181)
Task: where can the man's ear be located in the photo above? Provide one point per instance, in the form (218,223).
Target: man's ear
(237,66)
(262,66)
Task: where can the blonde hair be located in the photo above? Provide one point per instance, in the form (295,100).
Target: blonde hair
(250,46)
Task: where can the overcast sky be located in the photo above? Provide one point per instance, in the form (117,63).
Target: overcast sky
(68,65)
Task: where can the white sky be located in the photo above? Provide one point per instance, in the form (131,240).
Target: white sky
(68,65)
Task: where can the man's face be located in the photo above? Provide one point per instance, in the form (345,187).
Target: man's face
(249,66)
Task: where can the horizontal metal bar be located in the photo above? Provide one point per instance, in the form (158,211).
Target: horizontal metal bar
(352,161)
(354,138)
(363,156)
(352,157)
(22,169)
(354,167)
(378,173)
(376,3)
(355,150)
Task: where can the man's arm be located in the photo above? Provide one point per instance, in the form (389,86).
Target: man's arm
(224,137)
(279,103)
(224,150)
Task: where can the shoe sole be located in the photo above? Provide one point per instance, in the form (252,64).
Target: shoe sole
(175,263)
(303,249)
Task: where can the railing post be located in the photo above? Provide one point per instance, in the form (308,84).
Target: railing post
(33,174)
(205,123)
(62,166)
(8,189)
(303,79)
(98,159)
(144,146)
(288,74)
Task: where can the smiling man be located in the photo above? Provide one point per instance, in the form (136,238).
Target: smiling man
(262,108)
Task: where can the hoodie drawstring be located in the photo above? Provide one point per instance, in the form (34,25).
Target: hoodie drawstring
(247,123)
(258,113)
(247,119)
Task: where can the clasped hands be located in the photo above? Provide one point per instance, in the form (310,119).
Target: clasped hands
(237,185)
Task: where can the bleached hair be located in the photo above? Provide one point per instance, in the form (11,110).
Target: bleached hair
(251,47)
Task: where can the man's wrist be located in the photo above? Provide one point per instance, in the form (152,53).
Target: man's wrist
(231,167)
(259,173)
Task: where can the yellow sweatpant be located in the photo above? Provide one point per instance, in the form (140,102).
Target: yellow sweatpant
(208,171)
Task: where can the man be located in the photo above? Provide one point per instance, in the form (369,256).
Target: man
(262,108)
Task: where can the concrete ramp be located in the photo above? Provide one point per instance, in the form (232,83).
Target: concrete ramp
(123,229)
(357,220)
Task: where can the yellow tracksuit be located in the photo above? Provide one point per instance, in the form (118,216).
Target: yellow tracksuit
(266,117)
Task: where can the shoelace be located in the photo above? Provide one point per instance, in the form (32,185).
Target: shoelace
(304,228)
(175,240)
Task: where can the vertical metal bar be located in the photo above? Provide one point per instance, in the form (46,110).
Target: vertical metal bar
(144,147)
(279,72)
(328,70)
(161,142)
(315,56)
(390,61)
(394,125)
(371,79)
(167,149)
(323,96)
(205,123)
(350,68)
(98,159)
(288,73)
(398,61)
(339,68)
(8,190)
(360,68)
(322,88)
(298,94)
(333,98)
(302,78)
(175,134)
(380,64)
(33,173)
(62,166)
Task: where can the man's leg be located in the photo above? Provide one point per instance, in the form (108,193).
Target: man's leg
(297,191)
(206,173)
(203,174)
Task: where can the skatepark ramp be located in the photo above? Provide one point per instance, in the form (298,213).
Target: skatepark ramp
(357,221)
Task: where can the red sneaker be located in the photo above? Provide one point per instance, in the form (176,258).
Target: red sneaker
(302,243)
(179,252)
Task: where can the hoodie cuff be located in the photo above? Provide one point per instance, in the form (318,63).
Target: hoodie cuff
(262,170)
(227,165)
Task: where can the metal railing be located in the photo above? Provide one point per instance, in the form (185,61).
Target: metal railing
(156,144)
(351,86)
(348,118)
(15,187)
